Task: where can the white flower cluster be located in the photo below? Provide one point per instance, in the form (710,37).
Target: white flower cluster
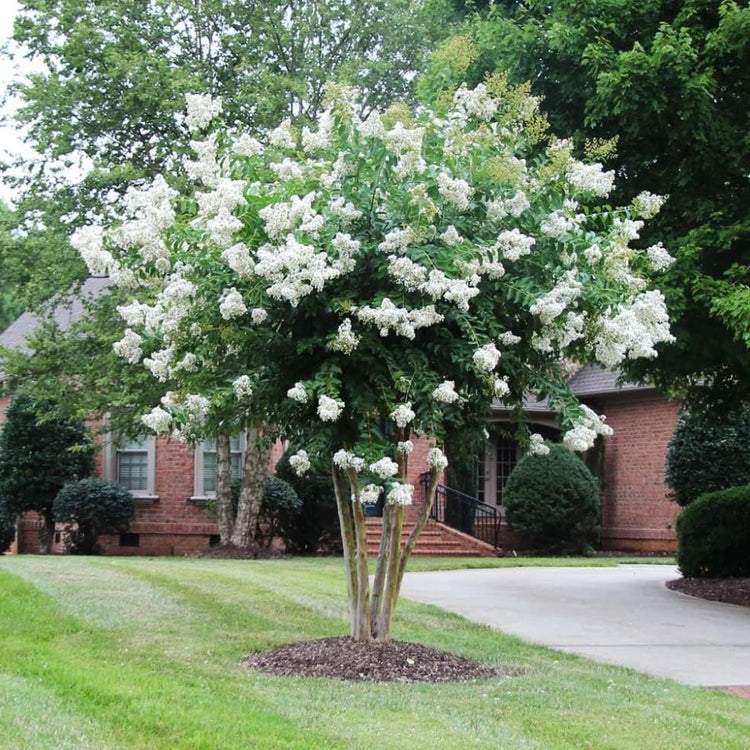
(552,304)
(583,434)
(659,257)
(129,347)
(89,242)
(514,244)
(344,209)
(458,291)
(451,236)
(232,305)
(372,127)
(500,387)
(537,446)
(634,330)
(397,240)
(159,363)
(201,109)
(456,191)
(205,168)
(158,420)
(385,468)
(590,178)
(436,459)
(486,357)
(346,341)
(281,218)
(405,447)
(287,170)
(400,494)
(369,494)
(226,195)
(388,317)
(238,259)
(243,388)
(198,407)
(562,220)
(499,208)
(346,460)
(314,141)
(647,204)
(403,414)
(329,409)
(445,393)
(246,145)
(475,102)
(508,338)
(258,315)
(300,463)
(297,393)
(282,137)
(407,145)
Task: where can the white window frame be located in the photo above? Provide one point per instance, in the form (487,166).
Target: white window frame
(111,461)
(199,489)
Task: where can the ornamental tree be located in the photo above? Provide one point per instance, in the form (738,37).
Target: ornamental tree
(374,279)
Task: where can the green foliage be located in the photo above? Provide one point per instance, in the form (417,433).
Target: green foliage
(279,512)
(316,528)
(713,535)
(89,508)
(39,454)
(552,501)
(7,527)
(668,81)
(709,451)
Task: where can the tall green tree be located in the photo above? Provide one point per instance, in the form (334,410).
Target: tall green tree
(660,90)
(38,455)
(107,104)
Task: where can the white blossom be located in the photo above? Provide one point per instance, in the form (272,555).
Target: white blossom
(281,136)
(475,102)
(514,244)
(647,204)
(659,257)
(486,357)
(243,388)
(238,259)
(372,127)
(159,363)
(385,468)
(456,191)
(397,240)
(201,109)
(287,170)
(189,363)
(508,338)
(313,141)
(537,446)
(223,226)
(404,322)
(346,340)
(405,447)
(552,304)
(500,387)
(369,494)
(258,315)
(246,145)
(400,494)
(158,420)
(346,460)
(226,194)
(129,346)
(298,393)
(590,178)
(446,392)
(451,236)
(344,209)
(232,306)
(300,462)
(406,272)
(329,409)
(436,459)
(580,438)
(198,407)
(403,414)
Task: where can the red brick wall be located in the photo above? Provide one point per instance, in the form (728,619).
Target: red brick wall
(636,513)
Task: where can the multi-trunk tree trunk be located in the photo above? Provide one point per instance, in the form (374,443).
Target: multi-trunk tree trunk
(238,528)
(371,608)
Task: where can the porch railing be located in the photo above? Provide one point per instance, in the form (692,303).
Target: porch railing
(464,513)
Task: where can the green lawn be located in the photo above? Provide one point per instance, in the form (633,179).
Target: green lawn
(144,653)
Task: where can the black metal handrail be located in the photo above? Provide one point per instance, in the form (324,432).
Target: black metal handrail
(464,512)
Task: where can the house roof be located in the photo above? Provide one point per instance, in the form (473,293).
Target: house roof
(67,311)
(596,381)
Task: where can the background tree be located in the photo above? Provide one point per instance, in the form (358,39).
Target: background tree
(386,274)
(7,527)
(38,455)
(104,107)
(660,91)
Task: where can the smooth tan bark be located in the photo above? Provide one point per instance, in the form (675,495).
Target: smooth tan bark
(254,474)
(346,524)
(363,623)
(380,570)
(224,488)
(392,582)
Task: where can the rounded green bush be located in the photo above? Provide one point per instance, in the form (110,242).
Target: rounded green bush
(7,527)
(90,508)
(713,535)
(279,511)
(709,451)
(552,502)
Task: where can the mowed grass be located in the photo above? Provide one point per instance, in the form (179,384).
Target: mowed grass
(145,653)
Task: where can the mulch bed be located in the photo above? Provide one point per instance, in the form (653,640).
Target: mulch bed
(346,659)
(727,590)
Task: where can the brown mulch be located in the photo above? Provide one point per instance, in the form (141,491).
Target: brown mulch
(726,590)
(346,659)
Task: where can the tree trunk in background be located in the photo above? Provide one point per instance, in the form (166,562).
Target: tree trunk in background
(254,474)
(46,533)
(224,488)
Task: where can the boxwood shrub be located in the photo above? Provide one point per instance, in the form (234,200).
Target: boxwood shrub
(552,502)
(713,535)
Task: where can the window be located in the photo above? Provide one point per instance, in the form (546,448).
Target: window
(130,540)
(132,463)
(500,458)
(205,464)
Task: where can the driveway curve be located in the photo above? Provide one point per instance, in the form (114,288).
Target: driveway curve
(623,615)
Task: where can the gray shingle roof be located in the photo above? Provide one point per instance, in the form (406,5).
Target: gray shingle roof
(595,381)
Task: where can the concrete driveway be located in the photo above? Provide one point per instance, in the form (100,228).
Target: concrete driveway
(623,615)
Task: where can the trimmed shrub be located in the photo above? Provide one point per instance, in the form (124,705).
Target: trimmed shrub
(7,527)
(90,508)
(316,528)
(278,513)
(709,451)
(713,535)
(552,502)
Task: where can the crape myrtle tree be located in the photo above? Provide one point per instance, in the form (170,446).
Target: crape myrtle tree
(39,453)
(373,279)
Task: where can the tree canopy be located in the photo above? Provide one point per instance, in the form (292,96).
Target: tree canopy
(660,91)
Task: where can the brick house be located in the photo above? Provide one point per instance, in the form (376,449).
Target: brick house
(171,482)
